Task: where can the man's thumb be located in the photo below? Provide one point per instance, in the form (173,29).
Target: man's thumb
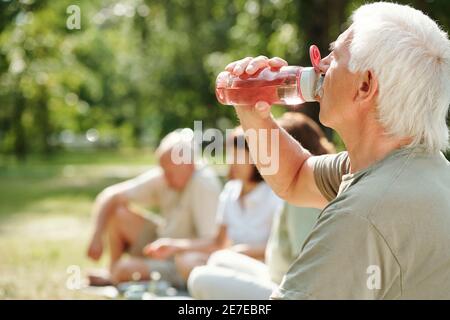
(263,108)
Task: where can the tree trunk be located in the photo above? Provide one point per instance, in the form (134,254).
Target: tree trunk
(20,145)
(42,122)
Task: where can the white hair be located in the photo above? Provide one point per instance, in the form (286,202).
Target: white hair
(410,56)
(181,143)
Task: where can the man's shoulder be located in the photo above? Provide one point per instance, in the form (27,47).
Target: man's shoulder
(328,171)
(205,177)
(401,188)
(413,177)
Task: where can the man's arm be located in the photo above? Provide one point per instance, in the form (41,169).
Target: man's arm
(165,248)
(294,179)
(141,189)
(106,203)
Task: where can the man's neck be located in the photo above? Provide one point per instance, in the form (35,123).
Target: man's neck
(368,143)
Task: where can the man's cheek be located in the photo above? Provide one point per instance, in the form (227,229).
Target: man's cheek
(327,93)
(328,84)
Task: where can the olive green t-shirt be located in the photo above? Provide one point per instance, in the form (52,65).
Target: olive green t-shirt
(384,235)
(291,226)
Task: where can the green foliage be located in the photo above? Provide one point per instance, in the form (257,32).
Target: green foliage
(139,69)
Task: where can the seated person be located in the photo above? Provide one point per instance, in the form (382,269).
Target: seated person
(385,228)
(229,275)
(245,213)
(186,195)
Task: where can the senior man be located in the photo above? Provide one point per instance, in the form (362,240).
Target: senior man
(385,230)
(186,194)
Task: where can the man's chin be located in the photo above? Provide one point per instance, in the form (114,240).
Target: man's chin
(176,187)
(325,119)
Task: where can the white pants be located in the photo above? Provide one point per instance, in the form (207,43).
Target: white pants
(229,275)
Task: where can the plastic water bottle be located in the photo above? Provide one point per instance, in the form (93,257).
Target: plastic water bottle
(289,85)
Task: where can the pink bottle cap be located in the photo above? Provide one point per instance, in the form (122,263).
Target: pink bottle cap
(314,55)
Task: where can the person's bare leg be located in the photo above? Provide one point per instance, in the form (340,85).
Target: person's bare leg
(117,243)
(132,269)
(124,228)
(187,261)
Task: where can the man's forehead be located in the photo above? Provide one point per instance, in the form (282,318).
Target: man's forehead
(343,39)
(165,156)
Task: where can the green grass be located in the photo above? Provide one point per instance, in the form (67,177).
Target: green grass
(45,218)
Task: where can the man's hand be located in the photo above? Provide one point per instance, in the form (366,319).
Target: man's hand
(251,65)
(294,180)
(161,249)
(95,249)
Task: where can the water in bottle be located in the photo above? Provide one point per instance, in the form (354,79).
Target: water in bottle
(288,85)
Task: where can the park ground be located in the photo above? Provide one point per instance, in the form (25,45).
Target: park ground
(45,218)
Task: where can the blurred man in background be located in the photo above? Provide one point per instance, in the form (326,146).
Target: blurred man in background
(186,195)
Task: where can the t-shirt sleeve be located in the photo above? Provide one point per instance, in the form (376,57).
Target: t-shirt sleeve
(205,207)
(328,172)
(145,188)
(344,258)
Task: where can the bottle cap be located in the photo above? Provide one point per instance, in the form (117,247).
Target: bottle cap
(308,79)
(314,55)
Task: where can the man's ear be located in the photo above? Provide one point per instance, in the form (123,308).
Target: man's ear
(368,87)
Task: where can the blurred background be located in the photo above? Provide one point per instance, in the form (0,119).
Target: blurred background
(84,108)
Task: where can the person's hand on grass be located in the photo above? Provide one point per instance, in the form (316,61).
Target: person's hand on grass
(161,249)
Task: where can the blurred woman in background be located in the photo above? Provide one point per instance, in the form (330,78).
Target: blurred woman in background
(246,209)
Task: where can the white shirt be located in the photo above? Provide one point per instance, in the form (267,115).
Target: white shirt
(190,213)
(248,220)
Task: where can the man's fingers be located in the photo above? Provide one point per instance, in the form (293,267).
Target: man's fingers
(148,250)
(256,64)
(251,65)
(277,62)
(230,66)
(240,66)
(262,106)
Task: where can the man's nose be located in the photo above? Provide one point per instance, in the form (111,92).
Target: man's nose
(324,64)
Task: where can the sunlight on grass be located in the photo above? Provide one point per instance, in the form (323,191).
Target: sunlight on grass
(37,247)
(45,222)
